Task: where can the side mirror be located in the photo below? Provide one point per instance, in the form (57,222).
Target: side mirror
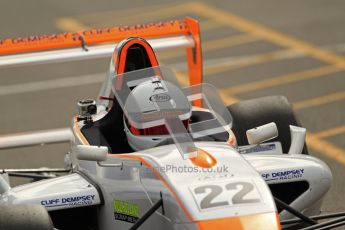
(91,153)
(297,139)
(262,133)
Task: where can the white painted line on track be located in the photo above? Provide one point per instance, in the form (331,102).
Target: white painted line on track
(52,84)
(238,60)
(67,82)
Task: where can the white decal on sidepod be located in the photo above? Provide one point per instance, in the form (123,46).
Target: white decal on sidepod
(283,175)
(69,201)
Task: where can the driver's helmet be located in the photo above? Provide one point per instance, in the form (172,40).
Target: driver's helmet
(147,109)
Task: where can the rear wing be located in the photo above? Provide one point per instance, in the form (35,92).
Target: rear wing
(98,43)
(92,44)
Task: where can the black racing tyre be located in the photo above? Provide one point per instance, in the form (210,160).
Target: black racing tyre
(28,217)
(256,112)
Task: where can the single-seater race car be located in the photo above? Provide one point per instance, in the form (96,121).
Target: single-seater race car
(150,153)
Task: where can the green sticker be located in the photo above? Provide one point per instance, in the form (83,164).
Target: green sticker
(126,211)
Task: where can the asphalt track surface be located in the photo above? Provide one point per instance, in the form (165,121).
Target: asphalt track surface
(250,48)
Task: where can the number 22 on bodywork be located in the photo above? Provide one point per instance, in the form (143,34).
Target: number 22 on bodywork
(225,194)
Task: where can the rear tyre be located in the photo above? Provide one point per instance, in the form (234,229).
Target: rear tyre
(256,112)
(28,217)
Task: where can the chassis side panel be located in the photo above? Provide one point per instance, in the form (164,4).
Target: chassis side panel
(63,192)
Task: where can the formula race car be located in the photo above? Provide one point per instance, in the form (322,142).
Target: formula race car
(150,153)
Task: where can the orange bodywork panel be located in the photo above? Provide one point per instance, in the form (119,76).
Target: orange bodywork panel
(266,221)
(159,176)
(78,133)
(203,159)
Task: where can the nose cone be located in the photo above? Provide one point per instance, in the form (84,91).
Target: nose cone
(266,221)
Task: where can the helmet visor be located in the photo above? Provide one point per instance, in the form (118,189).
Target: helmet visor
(153,131)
